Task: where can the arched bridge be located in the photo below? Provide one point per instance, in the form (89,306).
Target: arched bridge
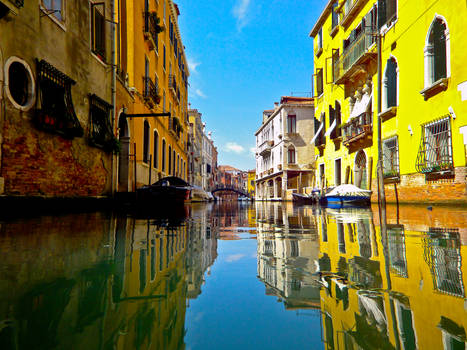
(231,189)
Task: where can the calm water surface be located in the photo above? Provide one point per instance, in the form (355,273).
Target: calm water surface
(236,276)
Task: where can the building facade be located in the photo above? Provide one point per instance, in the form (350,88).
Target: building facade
(208,165)
(423,93)
(153,78)
(56,115)
(284,155)
(196,147)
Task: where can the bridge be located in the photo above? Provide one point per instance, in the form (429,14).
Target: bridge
(231,189)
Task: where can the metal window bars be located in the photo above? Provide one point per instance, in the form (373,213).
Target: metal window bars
(435,151)
(150,91)
(391,157)
(100,131)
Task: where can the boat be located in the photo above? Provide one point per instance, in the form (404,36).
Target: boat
(169,189)
(346,196)
(303,198)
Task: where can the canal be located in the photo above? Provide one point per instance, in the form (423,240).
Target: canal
(236,275)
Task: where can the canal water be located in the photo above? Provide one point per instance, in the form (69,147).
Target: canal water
(236,276)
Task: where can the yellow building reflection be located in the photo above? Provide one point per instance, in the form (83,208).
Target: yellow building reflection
(402,291)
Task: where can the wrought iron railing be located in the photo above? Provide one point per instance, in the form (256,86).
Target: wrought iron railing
(435,151)
(353,53)
(151,25)
(150,91)
(358,127)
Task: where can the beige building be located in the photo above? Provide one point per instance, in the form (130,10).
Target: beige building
(284,152)
(195,139)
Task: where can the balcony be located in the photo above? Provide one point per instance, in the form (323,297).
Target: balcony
(175,127)
(150,92)
(151,28)
(358,131)
(265,148)
(349,10)
(355,57)
(173,87)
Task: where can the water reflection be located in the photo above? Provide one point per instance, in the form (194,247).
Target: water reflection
(201,279)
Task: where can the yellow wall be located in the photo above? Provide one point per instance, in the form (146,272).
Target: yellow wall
(405,41)
(137,50)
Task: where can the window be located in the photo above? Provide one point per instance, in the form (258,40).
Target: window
(291,155)
(55,110)
(291,124)
(338,171)
(391,157)
(55,8)
(101,134)
(146,142)
(435,152)
(387,12)
(335,15)
(390,84)
(98,30)
(156,150)
(20,83)
(319,81)
(163,155)
(173,161)
(437,52)
(320,38)
(163,59)
(336,119)
(321,173)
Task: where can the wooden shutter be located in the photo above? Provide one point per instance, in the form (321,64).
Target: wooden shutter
(439,46)
(391,76)
(381,13)
(98,30)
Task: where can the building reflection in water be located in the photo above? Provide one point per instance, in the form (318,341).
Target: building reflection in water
(287,249)
(95,281)
(403,291)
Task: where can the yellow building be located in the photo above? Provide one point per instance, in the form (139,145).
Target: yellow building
(251,183)
(153,78)
(423,94)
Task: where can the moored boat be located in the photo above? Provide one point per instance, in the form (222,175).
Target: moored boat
(346,195)
(303,198)
(169,189)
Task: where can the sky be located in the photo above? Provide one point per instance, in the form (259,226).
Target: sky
(243,55)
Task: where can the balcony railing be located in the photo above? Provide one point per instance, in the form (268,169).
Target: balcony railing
(350,9)
(265,148)
(151,28)
(353,56)
(358,129)
(174,126)
(150,92)
(173,86)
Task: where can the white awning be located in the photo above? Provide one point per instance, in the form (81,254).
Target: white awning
(331,128)
(360,106)
(317,132)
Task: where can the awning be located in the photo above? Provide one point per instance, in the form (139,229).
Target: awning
(331,128)
(361,106)
(317,132)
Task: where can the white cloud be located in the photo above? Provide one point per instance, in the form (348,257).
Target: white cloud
(193,65)
(240,12)
(253,150)
(199,93)
(234,257)
(234,147)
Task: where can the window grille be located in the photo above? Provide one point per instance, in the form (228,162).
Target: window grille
(391,157)
(435,151)
(55,111)
(101,134)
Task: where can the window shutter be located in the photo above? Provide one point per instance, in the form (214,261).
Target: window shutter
(391,76)
(337,115)
(381,13)
(439,46)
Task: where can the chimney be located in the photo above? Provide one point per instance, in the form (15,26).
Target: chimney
(276,105)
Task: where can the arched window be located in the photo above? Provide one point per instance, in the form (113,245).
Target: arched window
(291,155)
(163,155)
(437,65)
(390,84)
(146,142)
(156,149)
(173,161)
(170,160)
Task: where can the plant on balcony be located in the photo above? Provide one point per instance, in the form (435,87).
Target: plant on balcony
(391,173)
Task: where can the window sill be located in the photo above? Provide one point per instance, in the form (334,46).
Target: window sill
(392,179)
(319,52)
(99,59)
(46,13)
(388,114)
(437,87)
(334,31)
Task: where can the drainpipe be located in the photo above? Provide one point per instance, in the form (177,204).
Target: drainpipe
(113,90)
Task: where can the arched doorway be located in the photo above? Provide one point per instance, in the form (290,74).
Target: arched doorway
(278,187)
(361,171)
(270,189)
(124,155)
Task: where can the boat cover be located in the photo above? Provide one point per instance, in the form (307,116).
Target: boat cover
(348,190)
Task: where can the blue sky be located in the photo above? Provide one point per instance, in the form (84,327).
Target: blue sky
(243,56)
